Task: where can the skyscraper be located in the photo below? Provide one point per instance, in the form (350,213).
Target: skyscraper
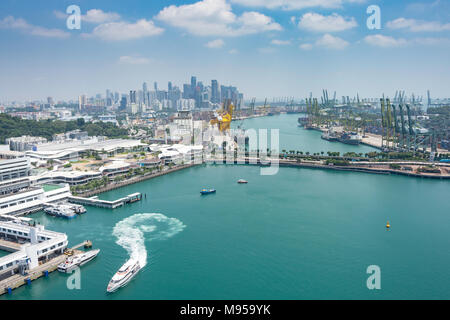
(215,96)
(169,86)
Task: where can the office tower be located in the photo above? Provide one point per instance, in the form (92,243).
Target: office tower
(155,85)
(123,103)
(50,101)
(144,93)
(215,96)
(169,86)
(82,101)
(186,91)
(132,96)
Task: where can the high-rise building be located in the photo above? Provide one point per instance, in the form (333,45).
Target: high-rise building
(132,96)
(82,101)
(145,94)
(169,86)
(155,85)
(215,94)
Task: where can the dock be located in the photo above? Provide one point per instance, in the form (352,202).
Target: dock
(96,202)
(18,280)
(9,246)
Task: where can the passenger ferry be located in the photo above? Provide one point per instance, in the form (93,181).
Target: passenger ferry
(60,211)
(77,261)
(124,275)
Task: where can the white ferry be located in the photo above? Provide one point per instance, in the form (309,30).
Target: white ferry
(77,261)
(124,275)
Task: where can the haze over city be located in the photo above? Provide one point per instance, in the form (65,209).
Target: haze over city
(265,48)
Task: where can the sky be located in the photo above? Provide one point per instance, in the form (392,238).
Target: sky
(267,48)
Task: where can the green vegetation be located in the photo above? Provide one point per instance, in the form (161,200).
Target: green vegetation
(16,127)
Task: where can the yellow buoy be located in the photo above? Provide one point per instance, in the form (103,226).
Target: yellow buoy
(388,225)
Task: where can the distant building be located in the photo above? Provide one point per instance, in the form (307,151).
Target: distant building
(25,143)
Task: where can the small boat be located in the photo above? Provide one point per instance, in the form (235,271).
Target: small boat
(207,191)
(77,261)
(125,274)
(242,181)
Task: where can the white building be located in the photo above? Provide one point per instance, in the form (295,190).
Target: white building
(14,168)
(72,150)
(40,244)
(32,199)
(24,143)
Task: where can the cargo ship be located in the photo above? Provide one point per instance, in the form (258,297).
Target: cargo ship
(329,136)
(351,138)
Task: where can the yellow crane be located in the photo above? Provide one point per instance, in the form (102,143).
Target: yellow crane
(224,116)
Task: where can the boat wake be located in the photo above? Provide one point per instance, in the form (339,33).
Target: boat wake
(132,232)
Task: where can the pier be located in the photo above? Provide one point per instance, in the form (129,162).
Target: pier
(17,280)
(96,202)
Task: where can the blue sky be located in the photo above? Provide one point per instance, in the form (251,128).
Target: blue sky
(267,48)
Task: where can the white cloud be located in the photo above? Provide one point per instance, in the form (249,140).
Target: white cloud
(389,42)
(95,16)
(118,31)
(215,17)
(326,41)
(332,42)
(280,42)
(215,44)
(20,24)
(306,46)
(333,23)
(135,60)
(418,25)
(99,16)
(294,4)
(379,40)
(233,51)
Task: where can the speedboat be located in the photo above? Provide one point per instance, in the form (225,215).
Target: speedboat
(242,181)
(124,275)
(207,191)
(77,261)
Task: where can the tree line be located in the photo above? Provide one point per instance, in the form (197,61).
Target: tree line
(16,127)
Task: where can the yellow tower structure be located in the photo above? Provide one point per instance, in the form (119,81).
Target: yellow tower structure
(224,116)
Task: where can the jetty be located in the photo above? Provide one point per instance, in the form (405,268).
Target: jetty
(43,270)
(96,202)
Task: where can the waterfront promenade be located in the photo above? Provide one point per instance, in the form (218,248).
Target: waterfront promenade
(117,185)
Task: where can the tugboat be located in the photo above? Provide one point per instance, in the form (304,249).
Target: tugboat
(207,191)
(242,181)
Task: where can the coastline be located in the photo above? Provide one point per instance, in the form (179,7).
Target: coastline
(133,181)
(290,163)
(282,163)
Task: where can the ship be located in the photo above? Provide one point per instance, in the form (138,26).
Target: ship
(77,261)
(329,136)
(125,274)
(207,191)
(60,212)
(242,181)
(351,138)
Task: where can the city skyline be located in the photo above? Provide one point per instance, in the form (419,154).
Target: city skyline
(265,48)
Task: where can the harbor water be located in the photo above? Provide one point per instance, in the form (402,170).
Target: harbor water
(299,234)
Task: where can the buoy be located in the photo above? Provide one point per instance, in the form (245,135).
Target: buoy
(388,225)
(46,273)
(9,290)
(28,280)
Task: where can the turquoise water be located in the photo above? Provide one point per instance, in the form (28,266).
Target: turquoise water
(301,234)
(293,137)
